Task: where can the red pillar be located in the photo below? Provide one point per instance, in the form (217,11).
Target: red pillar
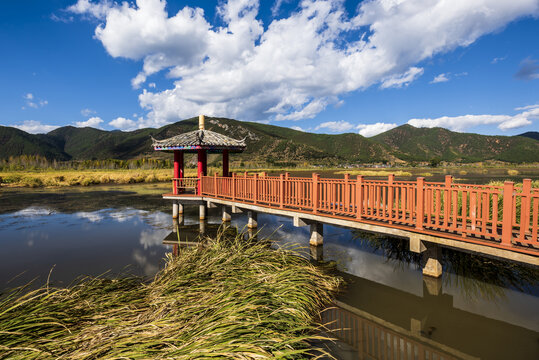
(176,174)
(202,163)
(225,163)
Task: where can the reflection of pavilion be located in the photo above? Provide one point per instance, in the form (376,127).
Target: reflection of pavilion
(381,322)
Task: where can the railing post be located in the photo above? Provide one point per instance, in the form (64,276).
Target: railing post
(420,201)
(233,186)
(359,196)
(390,180)
(199,185)
(346,193)
(255,187)
(447,198)
(281,190)
(507,224)
(215,184)
(315,193)
(525,207)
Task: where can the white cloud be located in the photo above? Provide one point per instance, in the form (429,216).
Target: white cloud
(400,80)
(91,122)
(498,59)
(296,66)
(463,122)
(440,78)
(336,126)
(87,112)
(151,85)
(34,127)
(123,124)
(369,130)
(529,69)
(298,128)
(32,102)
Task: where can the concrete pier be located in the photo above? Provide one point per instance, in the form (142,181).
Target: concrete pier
(252,222)
(226,214)
(431,258)
(175,209)
(317,234)
(202,212)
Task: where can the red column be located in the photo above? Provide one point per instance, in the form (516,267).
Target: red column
(201,161)
(225,163)
(176,174)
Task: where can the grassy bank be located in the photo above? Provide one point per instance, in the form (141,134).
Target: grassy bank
(87,177)
(231,298)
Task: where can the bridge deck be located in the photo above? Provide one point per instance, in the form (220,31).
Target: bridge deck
(504,218)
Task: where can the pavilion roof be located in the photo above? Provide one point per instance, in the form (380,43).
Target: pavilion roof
(200,139)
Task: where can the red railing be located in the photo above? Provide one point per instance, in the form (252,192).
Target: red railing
(182,185)
(506,216)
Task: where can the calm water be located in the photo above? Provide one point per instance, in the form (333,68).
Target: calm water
(479,309)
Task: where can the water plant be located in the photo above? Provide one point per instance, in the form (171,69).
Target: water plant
(228,298)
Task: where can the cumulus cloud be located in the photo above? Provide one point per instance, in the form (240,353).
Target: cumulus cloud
(296,66)
(123,124)
(34,127)
(87,112)
(529,70)
(463,122)
(91,122)
(298,128)
(498,59)
(336,126)
(32,102)
(440,78)
(400,80)
(369,130)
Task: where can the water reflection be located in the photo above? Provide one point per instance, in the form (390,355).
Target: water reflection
(480,308)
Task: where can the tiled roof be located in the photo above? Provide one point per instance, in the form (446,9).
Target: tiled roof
(199,139)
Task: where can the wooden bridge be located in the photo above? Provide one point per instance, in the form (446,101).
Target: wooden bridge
(499,221)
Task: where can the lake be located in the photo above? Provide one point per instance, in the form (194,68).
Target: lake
(480,308)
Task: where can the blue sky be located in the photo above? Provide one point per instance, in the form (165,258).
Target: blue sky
(326,66)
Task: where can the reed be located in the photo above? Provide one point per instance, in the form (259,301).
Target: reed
(229,298)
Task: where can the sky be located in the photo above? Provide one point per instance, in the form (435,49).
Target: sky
(325,66)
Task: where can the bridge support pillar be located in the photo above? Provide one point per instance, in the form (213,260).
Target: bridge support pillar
(317,253)
(252,222)
(432,257)
(226,214)
(175,209)
(317,234)
(202,212)
(202,227)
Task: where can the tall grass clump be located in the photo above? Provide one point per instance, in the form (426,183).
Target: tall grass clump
(227,298)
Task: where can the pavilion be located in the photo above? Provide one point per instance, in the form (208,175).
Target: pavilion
(202,142)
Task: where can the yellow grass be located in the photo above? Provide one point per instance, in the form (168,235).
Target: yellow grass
(512,172)
(87,177)
(375,172)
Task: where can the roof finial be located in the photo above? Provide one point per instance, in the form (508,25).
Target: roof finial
(201,122)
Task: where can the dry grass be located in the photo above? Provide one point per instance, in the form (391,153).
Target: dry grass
(375,172)
(229,299)
(53,178)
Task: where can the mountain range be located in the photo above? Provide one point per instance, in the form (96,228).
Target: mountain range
(274,144)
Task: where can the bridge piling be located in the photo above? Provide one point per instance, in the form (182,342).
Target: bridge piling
(202,212)
(226,214)
(175,209)
(252,222)
(431,258)
(317,234)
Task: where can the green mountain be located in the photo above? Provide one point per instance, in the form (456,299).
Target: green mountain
(531,135)
(422,144)
(15,142)
(274,144)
